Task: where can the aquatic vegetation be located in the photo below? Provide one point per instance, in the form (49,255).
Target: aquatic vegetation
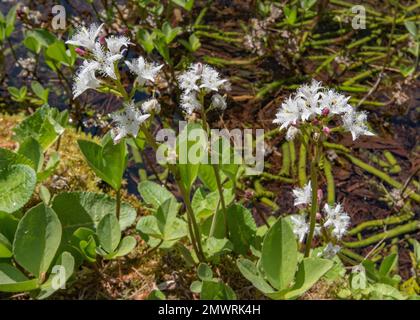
(155,129)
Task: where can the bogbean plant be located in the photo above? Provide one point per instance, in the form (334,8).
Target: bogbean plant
(210,219)
(56,236)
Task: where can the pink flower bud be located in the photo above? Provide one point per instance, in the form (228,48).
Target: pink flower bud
(315,122)
(102,40)
(80,51)
(199,68)
(320,195)
(318,216)
(326,130)
(325,112)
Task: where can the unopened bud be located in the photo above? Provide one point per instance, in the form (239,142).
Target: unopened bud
(325,112)
(320,195)
(315,121)
(199,68)
(102,40)
(318,217)
(326,130)
(80,51)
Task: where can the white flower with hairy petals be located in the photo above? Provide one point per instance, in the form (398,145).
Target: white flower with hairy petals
(145,71)
(300,226)
(330,251)
(355,122)
(303,196)
(86,37)
(308,91)
(115,44)
(218,102)
(336,219)
(188,81)
(106,60)
(85,78)
(127,122)
(190,103)
(210,79)
(335,102)
(308,97)
(291,133)
(289,113)
(151,105)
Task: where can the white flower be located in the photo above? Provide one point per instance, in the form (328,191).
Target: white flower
(300,226)
(355,122)
(218,102)
(289,113)
(190,103)
(127,122)
(210,79)
(151,105)
(86,37)
(337,219)
(308,92)
(145,71)
(330,251)
(335,102)
(308,99)
(291,133)
(85,78)
(106,60)
(188,81)
(115,44)
(303,196)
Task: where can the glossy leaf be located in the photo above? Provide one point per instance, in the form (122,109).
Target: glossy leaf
(37,239)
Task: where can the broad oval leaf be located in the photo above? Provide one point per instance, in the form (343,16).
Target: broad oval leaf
(17,183)
(37,239)
(126,245)
(107,161)
(279,255)
(109,233)
(242,227)
(309,272)
(154,194)
(86,209)
(250,272)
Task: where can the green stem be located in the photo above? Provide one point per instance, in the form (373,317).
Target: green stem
(118,205)
(215,169)
(192,222)
(314,204)
(302,162)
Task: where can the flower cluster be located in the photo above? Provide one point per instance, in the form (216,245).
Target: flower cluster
(201,79)
(313,103)
(334,220)
(101,60)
